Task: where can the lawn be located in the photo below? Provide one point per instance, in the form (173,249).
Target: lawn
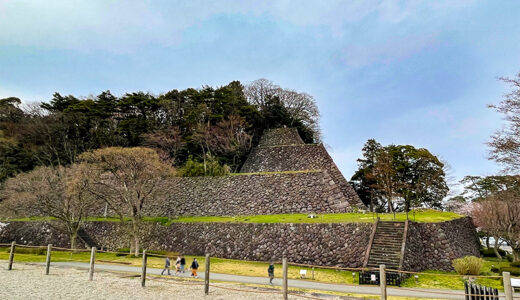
(218,265)
(251,268)
(423,216)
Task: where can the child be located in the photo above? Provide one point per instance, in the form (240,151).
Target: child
(194,267)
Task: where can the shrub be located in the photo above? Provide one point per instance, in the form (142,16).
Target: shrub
(495,269)
(515,264)
(469,265)
(513,270)
(489,252)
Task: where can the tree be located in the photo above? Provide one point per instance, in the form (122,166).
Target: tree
(299,109)
(61,193)
(363,183)
(505,143)
(399,177)
(499,214)
(129,179)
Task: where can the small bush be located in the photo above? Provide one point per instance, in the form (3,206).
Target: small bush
(515,264)
(489,252)
(513,270)
(469,265)
(495,269)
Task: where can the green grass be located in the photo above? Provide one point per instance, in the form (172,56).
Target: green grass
(457,283)
(427,216)
(251,268)
(423,216)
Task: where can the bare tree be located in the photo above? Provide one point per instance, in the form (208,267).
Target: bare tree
(505,143)
(129,179)
(499,215)
(61,193)
(300,106)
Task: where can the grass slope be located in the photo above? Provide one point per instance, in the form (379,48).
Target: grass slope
(424,216)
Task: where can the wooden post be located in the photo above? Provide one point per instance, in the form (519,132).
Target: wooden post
(48,260)
(143,274)
(206,276)
(312,273)
(508,290)
(284,279)
(92,260)
(382,281)
(11,256)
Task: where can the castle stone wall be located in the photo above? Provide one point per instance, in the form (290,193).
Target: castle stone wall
(280,136)
(280,193)
(429,245)
(435,245)
(299,157)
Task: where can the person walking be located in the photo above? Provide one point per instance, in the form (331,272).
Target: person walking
(183,264)
(166,266)
(194,267)
(178,265)
(270,272)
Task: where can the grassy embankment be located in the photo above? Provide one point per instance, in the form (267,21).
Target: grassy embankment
(423,216)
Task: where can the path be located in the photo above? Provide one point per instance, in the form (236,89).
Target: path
(294,283)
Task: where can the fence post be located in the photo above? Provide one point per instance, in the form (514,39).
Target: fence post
(508,290)
(312,273)
(48,260)
(382,281)
(11,256)
(206,276)
(284,279)
(143,274)
(92,259)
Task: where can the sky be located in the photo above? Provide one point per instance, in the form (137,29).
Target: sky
(401,72)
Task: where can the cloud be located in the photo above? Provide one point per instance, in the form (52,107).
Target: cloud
(121,26)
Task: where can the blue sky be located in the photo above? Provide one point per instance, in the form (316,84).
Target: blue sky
(403,72)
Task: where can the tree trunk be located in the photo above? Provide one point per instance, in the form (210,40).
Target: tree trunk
(496,247)
(135,234)
(73,237)
(516,255)
(487,242)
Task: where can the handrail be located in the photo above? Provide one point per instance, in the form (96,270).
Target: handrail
(369,248)
(403,247)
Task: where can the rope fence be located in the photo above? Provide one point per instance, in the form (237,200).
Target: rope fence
(508,295)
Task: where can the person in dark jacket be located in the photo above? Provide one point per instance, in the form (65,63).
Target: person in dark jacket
(270,272)
(183,264)
(194,267)
(166,266)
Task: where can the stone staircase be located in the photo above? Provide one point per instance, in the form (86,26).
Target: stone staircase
(85,237)
(386,245)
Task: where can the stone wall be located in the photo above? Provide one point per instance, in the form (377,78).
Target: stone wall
(322,244)
(299,157)
(280,136)
(280,193)
(435,245)
(429,245)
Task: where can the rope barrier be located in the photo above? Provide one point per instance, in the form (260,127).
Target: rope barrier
(29,246)
(332,267)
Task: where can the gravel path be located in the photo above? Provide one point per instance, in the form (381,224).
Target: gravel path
(28,281)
